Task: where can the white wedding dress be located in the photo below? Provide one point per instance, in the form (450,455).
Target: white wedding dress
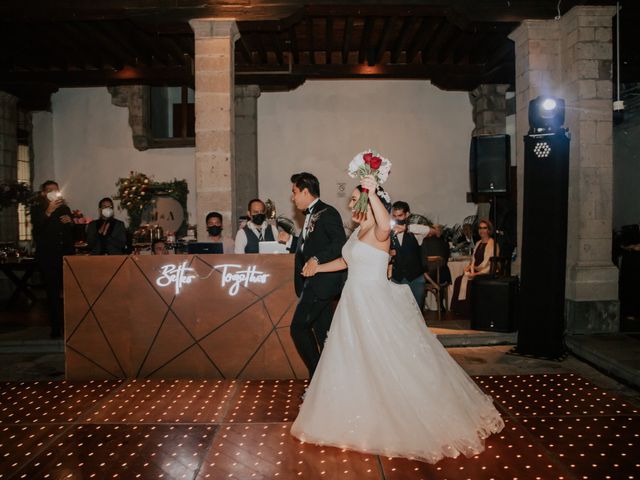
(384,384)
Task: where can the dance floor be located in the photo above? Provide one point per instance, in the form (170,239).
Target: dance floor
(558,426)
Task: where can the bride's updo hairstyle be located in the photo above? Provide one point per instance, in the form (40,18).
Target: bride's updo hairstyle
(382,195)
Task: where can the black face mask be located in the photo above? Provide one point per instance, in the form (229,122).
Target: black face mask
(214,231)
(401,222)
(258,218)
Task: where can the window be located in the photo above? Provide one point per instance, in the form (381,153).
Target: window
(24,176)
(172,116)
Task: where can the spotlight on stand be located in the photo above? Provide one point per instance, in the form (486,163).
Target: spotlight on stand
(544,231)
(546,114)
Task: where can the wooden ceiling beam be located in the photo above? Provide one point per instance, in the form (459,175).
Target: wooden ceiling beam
(105,44)
(431,50)
(447,47)
(354,71)
(365,41)
(243,47)
(259,43)
(384,40)
(154,53)
(119,32)
(428,29)
(346,41)
(407,24)
(93,54)
(328,38)
(277,48)
(172,76)
(293,45)
(506,49)
(310,36)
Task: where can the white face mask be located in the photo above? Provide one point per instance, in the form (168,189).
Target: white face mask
(53,195)
(107,212)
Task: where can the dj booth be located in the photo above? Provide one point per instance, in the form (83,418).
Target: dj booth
(180,316)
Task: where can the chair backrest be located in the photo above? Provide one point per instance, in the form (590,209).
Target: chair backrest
(500,267)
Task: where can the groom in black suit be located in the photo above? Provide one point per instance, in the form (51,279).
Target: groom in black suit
(320,241)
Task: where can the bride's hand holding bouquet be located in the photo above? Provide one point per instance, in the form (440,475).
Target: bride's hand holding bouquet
(368,163)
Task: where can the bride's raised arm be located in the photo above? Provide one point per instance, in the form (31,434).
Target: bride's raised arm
(382,230)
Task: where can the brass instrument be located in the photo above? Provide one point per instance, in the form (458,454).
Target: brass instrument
(270,209)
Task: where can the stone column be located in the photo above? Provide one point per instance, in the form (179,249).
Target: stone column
(571,59)
(246,158)
(592,279)
(214,72)
(8,162)
(489,109)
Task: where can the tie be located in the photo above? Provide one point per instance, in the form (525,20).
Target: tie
(306,211)
(260,236)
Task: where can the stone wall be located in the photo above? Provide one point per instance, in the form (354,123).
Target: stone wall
(8,162)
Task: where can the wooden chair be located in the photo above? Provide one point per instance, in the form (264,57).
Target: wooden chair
(434,285)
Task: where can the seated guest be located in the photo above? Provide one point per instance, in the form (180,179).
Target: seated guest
(106,235)
(436,246)
(480,264)
(408,265)
(214,231)
(159,247)
(256,230)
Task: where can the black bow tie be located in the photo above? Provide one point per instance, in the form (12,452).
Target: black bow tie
(306,211)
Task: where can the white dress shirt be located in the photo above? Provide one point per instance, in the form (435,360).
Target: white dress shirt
(420,231)
(241,236)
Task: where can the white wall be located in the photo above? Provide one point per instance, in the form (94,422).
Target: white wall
(85,145)
(320,126)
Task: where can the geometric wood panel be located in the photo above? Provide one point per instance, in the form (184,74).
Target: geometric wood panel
(125,317)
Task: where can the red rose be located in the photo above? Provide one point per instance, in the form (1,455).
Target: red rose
(367,158)
(375,163)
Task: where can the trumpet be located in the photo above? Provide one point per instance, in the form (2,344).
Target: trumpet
(270,209)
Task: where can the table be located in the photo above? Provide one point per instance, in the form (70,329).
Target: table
(180,316)
(19,272)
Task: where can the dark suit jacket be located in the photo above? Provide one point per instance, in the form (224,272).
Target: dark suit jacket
(324,241)
(113,244)
(53,238)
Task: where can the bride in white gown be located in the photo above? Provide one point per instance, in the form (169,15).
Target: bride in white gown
(384,384)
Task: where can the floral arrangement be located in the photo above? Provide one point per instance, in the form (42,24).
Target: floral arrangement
(368,163)
(136,193)
(133,192)
(13,193)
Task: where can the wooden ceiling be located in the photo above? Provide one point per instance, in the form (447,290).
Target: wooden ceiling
(456,45)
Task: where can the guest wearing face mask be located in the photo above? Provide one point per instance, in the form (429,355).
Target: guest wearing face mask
(53,237)
(257,229)
(106,235)
(407,263)
(214,231)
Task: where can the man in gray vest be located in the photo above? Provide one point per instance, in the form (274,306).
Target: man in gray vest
(256,230)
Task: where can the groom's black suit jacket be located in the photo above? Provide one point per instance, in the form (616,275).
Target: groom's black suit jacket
(324,241)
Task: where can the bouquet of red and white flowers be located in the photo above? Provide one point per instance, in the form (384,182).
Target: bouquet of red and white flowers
(368,163)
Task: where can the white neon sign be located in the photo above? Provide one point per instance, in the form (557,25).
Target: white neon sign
(240,277)
(179,275)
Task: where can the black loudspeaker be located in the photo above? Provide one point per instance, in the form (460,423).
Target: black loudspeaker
(494,303)
(489,162)
(544,245)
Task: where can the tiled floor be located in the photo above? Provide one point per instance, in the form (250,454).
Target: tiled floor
(558,426)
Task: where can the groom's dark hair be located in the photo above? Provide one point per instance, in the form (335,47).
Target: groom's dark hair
(306,180)
(400,205)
